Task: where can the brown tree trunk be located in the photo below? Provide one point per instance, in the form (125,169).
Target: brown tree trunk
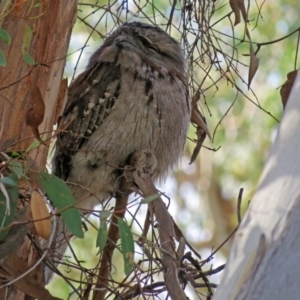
(41,29)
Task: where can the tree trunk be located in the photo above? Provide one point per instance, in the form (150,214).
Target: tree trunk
(39,31)
(264,261)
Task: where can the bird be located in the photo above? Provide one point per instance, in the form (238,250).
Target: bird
(133,95)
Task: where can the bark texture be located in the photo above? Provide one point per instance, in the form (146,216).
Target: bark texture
(264,261)
(42,30)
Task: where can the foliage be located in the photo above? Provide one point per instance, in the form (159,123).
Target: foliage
(9,195)
(127,246)
(61,196)
(17,171)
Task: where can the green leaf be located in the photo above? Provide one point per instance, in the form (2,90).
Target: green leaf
(15,154)
(26,46)
(37,5)
(16,167)
(104,214)
(33,145)
(102,232)
(102,235)
(61,196)
(4,36)
(150,198)
(2,59)
(127,245)
(28,59)
(13,194)
(26,39)
(8,181)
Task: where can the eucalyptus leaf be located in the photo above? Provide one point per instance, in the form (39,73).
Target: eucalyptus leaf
(4,36)
(35,144)
(16,167)
(15,154)
(28,59)
(13,195)
(150,198)
(26,40)
(127,245)
(105,214)
(2,59)
(102,235)
(8,181)
(61,196)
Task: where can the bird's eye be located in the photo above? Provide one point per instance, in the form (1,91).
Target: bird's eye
(146,42)
(153,48)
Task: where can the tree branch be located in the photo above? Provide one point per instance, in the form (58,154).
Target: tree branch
(144,165)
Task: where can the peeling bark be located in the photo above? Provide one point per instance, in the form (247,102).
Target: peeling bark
(40,29)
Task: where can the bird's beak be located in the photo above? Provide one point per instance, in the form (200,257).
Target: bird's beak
(122,40)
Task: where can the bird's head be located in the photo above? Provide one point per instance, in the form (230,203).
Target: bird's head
(144,40)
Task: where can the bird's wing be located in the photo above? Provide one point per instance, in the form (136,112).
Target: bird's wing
(91,98)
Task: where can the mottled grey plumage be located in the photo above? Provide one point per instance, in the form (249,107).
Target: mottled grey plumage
(132,96)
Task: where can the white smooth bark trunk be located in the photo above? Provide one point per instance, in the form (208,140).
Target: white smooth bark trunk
(264,261)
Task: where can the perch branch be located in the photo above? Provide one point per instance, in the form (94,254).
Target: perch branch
(113,236)
(144,164)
